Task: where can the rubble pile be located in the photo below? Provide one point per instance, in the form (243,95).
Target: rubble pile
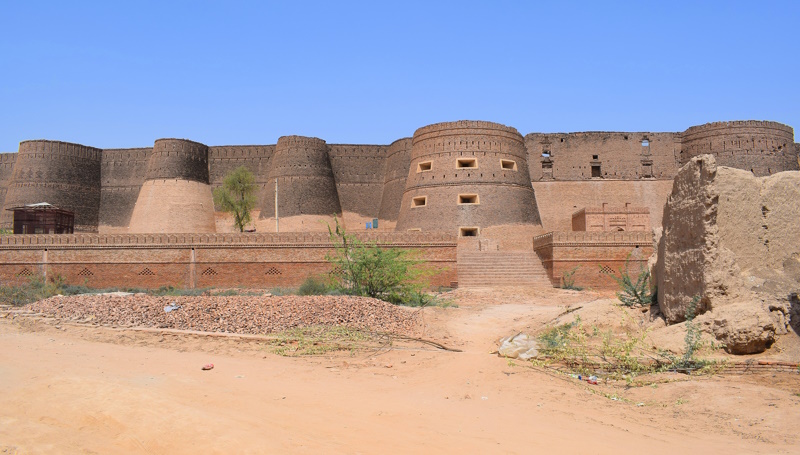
(236,314)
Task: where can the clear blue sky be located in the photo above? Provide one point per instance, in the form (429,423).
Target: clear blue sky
(122,74)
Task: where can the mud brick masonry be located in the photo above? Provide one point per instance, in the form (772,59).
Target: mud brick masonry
(464,178)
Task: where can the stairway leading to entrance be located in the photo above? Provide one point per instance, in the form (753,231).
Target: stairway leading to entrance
(500,268)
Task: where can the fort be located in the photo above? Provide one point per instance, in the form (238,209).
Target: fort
(454,180)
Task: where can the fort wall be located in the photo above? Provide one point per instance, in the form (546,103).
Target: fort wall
(122,174)
(63,174)
(763,148)
(602,155)
(557,201)
(7,161)
(593,257)
(467,174)
(198,260)
(359,174)
(398,161)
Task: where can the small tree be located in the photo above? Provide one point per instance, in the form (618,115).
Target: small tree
(632,293)
(237,196)
(389,274)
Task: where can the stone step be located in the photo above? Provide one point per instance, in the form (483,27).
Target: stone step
(500,268)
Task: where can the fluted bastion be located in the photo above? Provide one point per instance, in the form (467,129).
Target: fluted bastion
(63,174)
(465,176)
(306,185)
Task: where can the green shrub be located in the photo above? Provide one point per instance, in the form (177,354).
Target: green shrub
(37,288)
(568,280)
(634,294)
(389,274)
(312,286)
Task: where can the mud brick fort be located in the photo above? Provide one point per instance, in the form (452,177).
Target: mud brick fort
(484,203)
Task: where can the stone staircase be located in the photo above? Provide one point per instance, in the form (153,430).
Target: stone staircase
(500,268)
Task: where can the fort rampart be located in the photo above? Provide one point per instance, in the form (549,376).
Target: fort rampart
(198,260)
(593,257)
(491,165)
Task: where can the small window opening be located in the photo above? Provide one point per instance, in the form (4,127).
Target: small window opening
(645,143)
(626,138)
(467,163)
(594,157)
(424,166)
(596,171)
(468,199)
(468,231)
(419,201)
(546,154)
(508,164)
(547,165)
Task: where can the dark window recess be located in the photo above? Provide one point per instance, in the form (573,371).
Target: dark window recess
(594,157)
(547,165)
(468,231)
(596,171)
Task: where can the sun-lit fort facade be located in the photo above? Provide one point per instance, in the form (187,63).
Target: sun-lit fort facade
(462,177)
(146,215)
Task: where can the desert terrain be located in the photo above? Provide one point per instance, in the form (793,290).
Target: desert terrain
(79,387)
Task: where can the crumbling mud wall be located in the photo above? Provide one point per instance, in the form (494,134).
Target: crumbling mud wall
(730,239)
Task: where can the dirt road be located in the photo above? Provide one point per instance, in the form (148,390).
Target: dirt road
(80,389)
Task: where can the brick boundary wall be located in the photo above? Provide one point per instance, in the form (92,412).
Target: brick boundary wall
(595,254)
(199,260)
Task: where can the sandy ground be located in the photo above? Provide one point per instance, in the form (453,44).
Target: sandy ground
(68,388)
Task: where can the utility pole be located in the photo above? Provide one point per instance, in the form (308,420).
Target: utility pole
(277,227)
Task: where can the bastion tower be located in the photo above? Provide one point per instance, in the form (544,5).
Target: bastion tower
(466,176)
(306,186)
(176,195)
(62,174)
(760,147)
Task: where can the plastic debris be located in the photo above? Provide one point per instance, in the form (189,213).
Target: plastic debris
(518,346)
(208,366)
(171,307)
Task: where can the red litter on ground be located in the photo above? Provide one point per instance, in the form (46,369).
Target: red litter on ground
(208,366)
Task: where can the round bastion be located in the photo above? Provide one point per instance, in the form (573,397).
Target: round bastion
(306,185)
(60,173)
(759,146)
(465,176)
(178,159)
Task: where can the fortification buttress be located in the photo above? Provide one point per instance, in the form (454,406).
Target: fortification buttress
(306,184)
(63,174)
(176,195)
(465,176)
(763,148)
(398,162)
